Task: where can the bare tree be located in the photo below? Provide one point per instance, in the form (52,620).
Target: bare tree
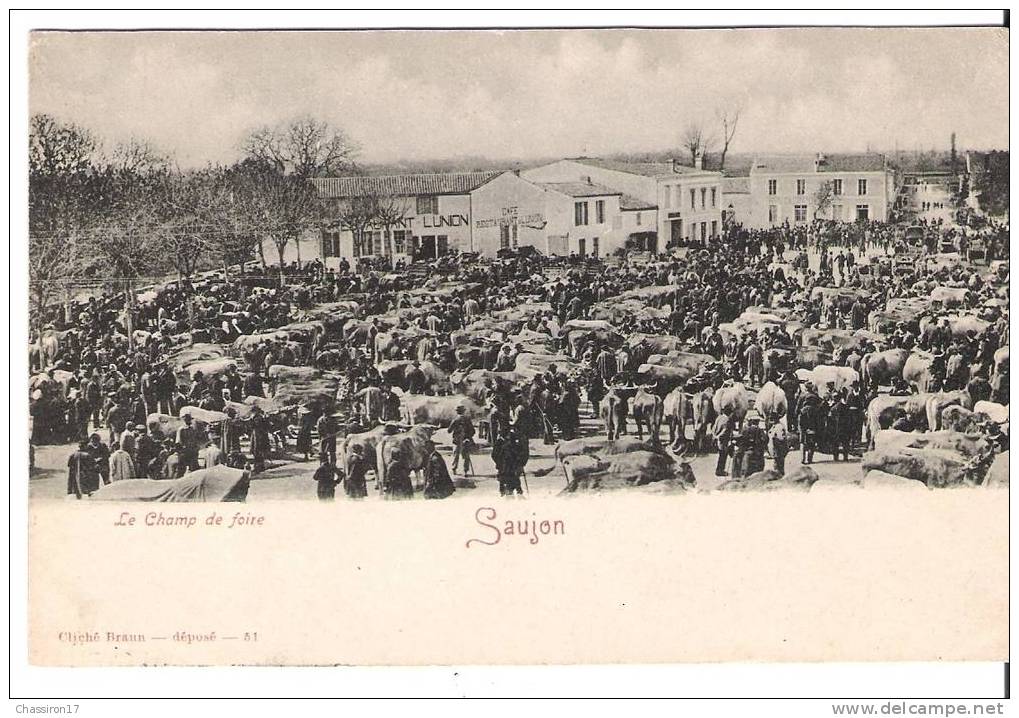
(695,141)
(357,215)
(140,157)
(729,117)
(823,198)
(56,148)
(390,212)
(304,147)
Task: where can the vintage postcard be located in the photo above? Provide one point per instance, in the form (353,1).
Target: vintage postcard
(518,346)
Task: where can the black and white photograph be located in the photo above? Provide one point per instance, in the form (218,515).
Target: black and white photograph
(496,345)
(424,279)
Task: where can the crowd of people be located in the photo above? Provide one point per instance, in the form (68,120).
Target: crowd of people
(100,366)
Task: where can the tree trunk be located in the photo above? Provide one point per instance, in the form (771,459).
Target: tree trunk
(261,256)
(128,318)
(280,248)
(721,160)
(298,242)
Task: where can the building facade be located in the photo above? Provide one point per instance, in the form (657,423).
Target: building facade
(673,203)
(423,216)
(798,189)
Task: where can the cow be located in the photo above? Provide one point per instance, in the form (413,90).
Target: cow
(675,407)
(621,471)
(395,371)
(890,440)
(997,474)
(883,410)
(771,403)
(1000,359)
(643,346)
(810,357)
(703,410)
(735,399)
(882,480)
(802,479)
(828,378)
(472,383)
(593,447)
(955,417)
(529,364)
(646,408)
(437,410)
(681,360)
(960,325)
(997,413)
(415,446)
(882,368)
(936,468)
(665,378)
(368,441)
(916,371)
(614,410)
(951,296)
(577,339)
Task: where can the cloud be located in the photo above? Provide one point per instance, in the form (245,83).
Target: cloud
(516,94)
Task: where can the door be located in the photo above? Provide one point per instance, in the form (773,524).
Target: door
(582,247)
(652,243)
(677,232)
(428,247)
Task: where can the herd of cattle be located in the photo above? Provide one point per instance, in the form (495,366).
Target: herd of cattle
(661,382)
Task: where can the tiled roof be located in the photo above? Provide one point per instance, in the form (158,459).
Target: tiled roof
(578,189)
(736,185)
(401,185)
(645,169)
(804,163)
(631,203)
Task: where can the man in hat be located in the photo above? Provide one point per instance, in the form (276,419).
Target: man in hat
(188,443)
(82,474)
(752,443)
(327,430)
(121,464)
(415,379)
(354,482)
(212,454)
(326,477)
(397,484)
(462,432)
(722,434)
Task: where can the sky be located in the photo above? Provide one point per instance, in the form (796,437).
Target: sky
(420,95)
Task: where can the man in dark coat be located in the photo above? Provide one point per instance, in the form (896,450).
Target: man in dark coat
(326,479)
(354,482)
(82,474)
(462,432)
(438,483)
(722,433)
(397,484)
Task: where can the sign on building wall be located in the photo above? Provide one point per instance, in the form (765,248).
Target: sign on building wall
(510,216)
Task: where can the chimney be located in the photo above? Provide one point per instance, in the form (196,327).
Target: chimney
(818,161)
(698,161)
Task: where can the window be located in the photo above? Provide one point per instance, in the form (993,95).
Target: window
(599,211)
(504,237)
(704,231)
(836,211)
(800,213)
(428,205)
(801,186)
(668,196)
(594,247)
(861,187)
(862,211)
(836,186)
(772,187)
(714,195)
(582,247)
(714,228)
(377,243)
(638,219)
(580,214)
(514,233)
(693,199)
(704,194)
(442,244)
(399,241)
(772,213)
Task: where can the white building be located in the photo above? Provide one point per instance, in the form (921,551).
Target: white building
(662,203)
(432,214)
(798,188)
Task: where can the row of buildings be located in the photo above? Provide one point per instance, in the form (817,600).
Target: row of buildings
(594,207)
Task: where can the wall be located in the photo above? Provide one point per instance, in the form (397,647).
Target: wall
(786,198)
(452,221)
(674,203)
(609,233)
(508,201)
